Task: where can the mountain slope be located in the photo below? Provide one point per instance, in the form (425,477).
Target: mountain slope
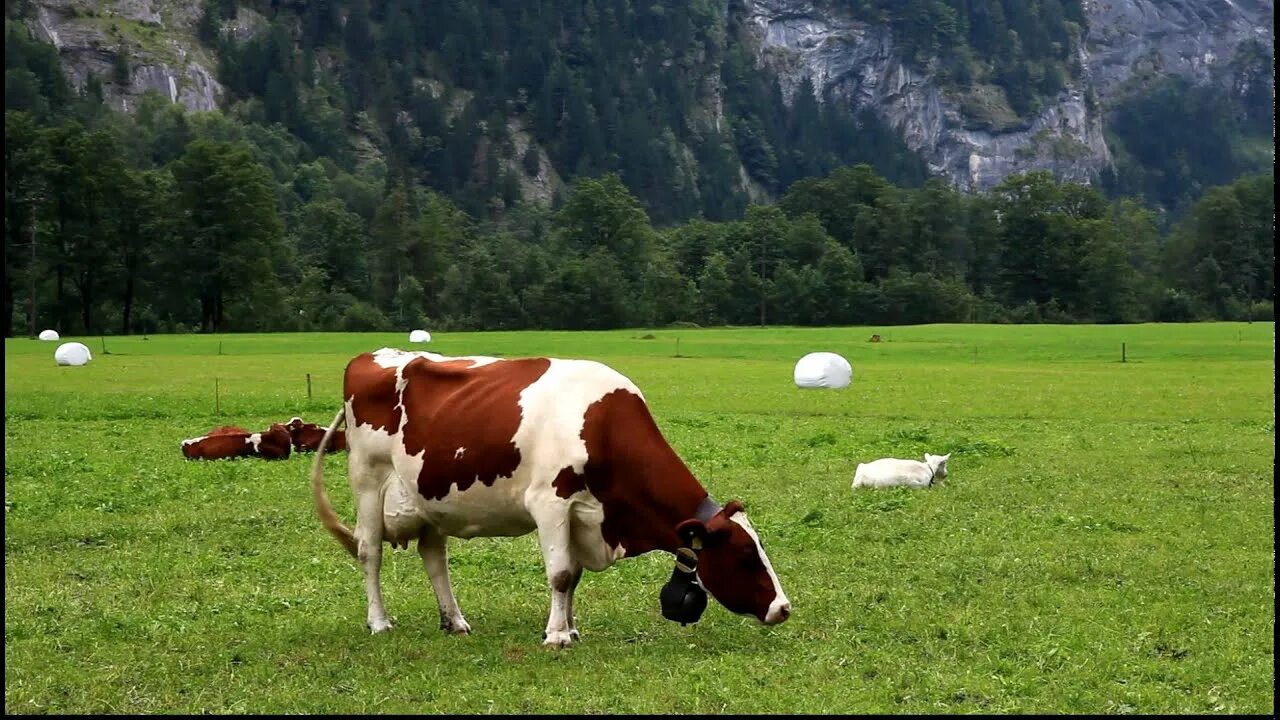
(701,107)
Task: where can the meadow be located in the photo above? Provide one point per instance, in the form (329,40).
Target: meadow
(1104,543)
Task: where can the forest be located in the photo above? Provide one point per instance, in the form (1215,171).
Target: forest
(266,217)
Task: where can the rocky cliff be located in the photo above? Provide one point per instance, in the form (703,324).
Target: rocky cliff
(1131,40)
(969,135)
(158,40)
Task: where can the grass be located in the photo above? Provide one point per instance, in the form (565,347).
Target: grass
(987,109)
(1104,543)
(140,36)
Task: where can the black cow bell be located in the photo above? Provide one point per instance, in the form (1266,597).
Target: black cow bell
(683,598)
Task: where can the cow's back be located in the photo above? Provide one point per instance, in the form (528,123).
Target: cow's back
(370,392)
(227,430)
(308,440)
(501,419)
(890,472)
(462,418)
(218,447)
(474,440)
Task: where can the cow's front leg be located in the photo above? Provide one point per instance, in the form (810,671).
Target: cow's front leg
(562,575)
(432,546)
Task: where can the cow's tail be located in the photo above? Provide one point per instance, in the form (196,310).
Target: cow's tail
(328,517)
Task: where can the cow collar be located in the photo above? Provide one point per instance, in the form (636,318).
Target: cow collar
(706,509)
(683,598)
(687,552)
(933,472)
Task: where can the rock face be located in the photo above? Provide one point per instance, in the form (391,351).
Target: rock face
(968,135)
(857,63)
(157,39)
(1195,39)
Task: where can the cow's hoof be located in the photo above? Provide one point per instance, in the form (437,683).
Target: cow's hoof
(575,634)
(455,626)
(558,639)
(379,626)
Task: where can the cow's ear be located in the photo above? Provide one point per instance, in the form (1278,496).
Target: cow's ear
(731,507)
(692,530)
(720,528)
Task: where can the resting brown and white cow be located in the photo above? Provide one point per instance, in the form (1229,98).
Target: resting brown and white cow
(227,442)
(479,446)
(307,436)
(228,430)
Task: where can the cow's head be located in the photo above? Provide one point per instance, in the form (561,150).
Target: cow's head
(939,465)
(733,567)
(295,423)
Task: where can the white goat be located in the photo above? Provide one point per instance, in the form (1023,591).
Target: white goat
(891,472)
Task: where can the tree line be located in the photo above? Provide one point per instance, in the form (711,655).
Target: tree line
(1225,130)
(169,222)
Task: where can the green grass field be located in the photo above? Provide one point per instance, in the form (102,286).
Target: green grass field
(1104,543)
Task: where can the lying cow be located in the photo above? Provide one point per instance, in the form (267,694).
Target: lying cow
(307,436)
(476,446)
(227,430)
(892,472)
(273,444)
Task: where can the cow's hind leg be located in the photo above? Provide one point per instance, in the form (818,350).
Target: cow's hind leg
(563,573)
(435,559)
(573,586)
(366,483)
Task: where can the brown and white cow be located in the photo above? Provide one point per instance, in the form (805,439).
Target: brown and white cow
(227,430)
(230,442)
(307,436)
(480,446)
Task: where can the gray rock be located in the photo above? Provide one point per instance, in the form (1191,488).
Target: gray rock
(1190,38)
(158,38)
(857,63)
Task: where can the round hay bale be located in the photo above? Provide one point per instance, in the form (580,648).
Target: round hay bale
(823,370)
(419,336)
(49,335)
(72,353)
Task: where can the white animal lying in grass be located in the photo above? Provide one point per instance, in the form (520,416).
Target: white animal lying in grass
(892,472)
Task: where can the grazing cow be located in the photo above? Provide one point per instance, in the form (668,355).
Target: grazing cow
(891,472)
(273,444)
(476,446)
(307,436)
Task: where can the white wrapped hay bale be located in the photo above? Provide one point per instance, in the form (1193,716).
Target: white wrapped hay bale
(823,370)
(72,353)
(49,335)
(419,336)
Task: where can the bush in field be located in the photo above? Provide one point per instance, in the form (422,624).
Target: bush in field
(363,317)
